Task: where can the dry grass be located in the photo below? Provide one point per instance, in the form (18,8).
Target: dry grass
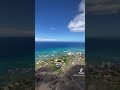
(42,87)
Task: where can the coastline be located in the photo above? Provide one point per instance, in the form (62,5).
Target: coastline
(71,58)
(60,72)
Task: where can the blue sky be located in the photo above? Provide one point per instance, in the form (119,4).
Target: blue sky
(17,18)
(102,18)
(59,20)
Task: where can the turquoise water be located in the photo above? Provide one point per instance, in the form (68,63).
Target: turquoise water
(58,50)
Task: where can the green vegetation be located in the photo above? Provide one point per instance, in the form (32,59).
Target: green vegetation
(60,64)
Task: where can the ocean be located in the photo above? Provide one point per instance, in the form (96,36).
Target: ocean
(16,52)
(100,50)
(56,49)
(21,52)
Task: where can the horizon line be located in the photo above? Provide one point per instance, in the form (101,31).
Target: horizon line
(61,41)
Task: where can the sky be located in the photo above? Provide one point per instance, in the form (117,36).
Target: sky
(60,20)
(17,18)
(52,19)
(103,18)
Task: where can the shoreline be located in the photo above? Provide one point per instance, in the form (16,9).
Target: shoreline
(60,72)
(61,63)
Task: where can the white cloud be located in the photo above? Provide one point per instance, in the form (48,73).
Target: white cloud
(52,28)
(14,32)
(102,6)
(44,39)
(78,23)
